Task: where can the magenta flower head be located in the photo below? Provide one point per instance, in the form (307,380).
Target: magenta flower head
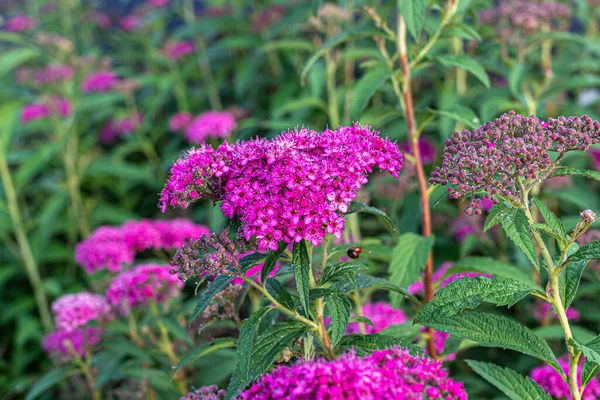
(109,133)
(180,121)
(20,23)
(205,393)
(175,232)
(33,112)
(426,148)
(158,3)
(387,374)
(555,386)
(211,124)
(176,50)
(512,151)
(131,23)
(100,81)
(296,186)
(381,314)
(65,344)
(104,249)
(130,124)
(142,285)
(54,73)
(72,311)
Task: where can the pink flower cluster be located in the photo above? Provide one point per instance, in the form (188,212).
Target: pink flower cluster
(205,393)
(20,23)
(131,23)
(177,49)
(74,310)
(54,106)
(179,121)
(384,375)
(100,81)
(62,344)
(53,73)
(293,187)
(555,386)
(110,247)
(210,124)
(141,285)
(381,314)
(512,150)
(426,148)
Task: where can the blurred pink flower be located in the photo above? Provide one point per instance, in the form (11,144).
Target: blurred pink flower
(130,124)
(54,106)
(62,344)
(210,124)
(176,50)
(20,23)
(158,3)
(54,73)
(543,312)
(131,22)
(595,152)
(99,18)
(180,121)
(381,314)
(100,81)
(426,147)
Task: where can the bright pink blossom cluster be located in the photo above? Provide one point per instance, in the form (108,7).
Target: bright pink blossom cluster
(205,393)
(174,50)
(387,374)
(75,310)
(53,106)
(20,23)
(293,187)
(110,247)
(63,344)
(179,121)
(555,386)
(100,81)
(54,73)
(210,124)
(141,285)
(512,151)
(115,129)
(381,314)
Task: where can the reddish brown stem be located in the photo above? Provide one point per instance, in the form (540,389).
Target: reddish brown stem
(409,114)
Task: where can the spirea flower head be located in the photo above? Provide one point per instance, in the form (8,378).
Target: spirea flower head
(510,151)
(141,285)
(100,81)
(296,186)
(176,50)
(386,374)
(20,23)
(51,107)
(54,73)
(180,121)
(104,249)
(131,23)
(72,311)
(381,314)
(555,386)
(210,124)
(62,344)
(205,393)
(426,148)
(130,123)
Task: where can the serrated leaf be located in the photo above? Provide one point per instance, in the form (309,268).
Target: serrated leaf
(251,260)
(369,282)
(515,224)
(280,293)
(270,261)
(271,343)
(361,319)
(590,370)
(588,251)
(487,265)
(301,266)
(49,379)
(512,384)
(490,330)
(468,64)
(241,376)
(408,260)
(216,286)
(365,89)
(461,114)
(368,343)
(413,12)
(587,173)
(568,281)
(469,293)
(492,219)
(339,313)
(333,272)
(202,350)
(591,351)
(551,220)
(357,206)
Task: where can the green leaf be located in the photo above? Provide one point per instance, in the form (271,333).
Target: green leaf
(241,376)
(461,114)
(588,251)
(515,77)
(251,260)
(280,293)
(408,260)
(301,265)
(12,59)
(512,384)
(288,44)
(365,89)
(590,370)
(270,261)
(413,12)
(515,224)
(568,281)
(35,164)
(468,64)
(357,206)
(491,330)
(334,272)
(492,219)
(361,319)
(552,220)
(202,350)
(339,312)
(364,282)
(362,30)
(156,378)
(175,328)
(488,265)
(587,173)
(468,293)
(217,285)
(555,332)
(49,379)
(271,343)
(591,351)
(368,343)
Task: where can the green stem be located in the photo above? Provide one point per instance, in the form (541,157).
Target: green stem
(332,99)
(31,267)
(180,93)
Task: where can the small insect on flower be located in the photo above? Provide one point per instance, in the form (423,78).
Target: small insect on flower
(354,252)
